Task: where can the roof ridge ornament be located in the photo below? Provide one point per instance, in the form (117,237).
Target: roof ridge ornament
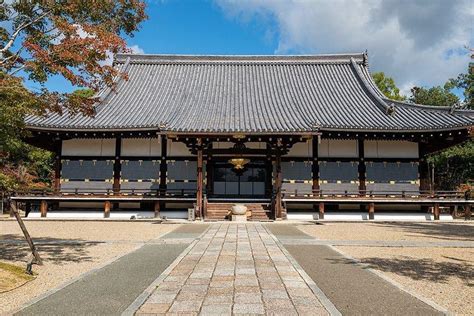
(388,109)
(365,58)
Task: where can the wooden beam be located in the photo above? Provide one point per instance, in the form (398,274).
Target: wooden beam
(43,208)
(106,209)
(321,210)
(436,211)
(34,252)
(157,209)
(467,212)
(371,210)
(199,180)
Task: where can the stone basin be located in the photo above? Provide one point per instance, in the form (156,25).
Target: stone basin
(239,209)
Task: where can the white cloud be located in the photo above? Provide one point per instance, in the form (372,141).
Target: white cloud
(136,49)
(418,42)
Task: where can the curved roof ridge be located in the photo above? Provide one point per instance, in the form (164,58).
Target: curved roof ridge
(388,109)
(450,109)
(104,94)
(158,58)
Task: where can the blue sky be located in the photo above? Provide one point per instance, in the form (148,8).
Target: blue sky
(199,27)
(417,42)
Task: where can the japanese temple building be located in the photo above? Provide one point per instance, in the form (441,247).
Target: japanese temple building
(275,132)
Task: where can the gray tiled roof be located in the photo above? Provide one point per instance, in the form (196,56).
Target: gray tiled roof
(260,94)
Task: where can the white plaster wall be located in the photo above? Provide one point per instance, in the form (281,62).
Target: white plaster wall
(390,149)
(222,145)
(256,145)
(177,149)
(88,147)
(146,147)
(302,149)
(344,148)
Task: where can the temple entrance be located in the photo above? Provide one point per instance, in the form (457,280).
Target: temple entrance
(249,182)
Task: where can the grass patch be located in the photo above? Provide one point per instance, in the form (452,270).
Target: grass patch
(12,276)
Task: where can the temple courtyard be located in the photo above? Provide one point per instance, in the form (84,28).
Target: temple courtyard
(291,268)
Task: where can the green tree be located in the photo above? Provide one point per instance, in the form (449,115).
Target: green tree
(73,39)
(465,82)
(454,166)
(437,96)
(387,86)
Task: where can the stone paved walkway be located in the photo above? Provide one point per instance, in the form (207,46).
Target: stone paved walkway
(234,269)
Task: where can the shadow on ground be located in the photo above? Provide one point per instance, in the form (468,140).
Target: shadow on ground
(58,251)
(420,269)
(444,231)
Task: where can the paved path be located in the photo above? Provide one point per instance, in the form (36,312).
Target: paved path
(353,289)
(235,268)
(111,289)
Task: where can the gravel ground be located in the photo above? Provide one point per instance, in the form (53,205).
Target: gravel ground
(443,275)
(413,231)
(87,230)
(65,262)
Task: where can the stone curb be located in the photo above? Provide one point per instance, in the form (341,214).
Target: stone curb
(374,243)
(327,304)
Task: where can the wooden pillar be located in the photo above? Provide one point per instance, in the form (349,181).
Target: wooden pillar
(117,165)
(209,172)
(467,212)
(321,210)
(315,173)
(278,183)
(10,205)
(57,168)
(163,171)
(43,208)
(157,209)
(106,209)
(436,211)
(371,210)
(315,166)
(27,208)
(199,179)
(423,169)
(362,169)
(269,172)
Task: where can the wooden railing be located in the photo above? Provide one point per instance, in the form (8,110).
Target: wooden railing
(404,194)
(108,192)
